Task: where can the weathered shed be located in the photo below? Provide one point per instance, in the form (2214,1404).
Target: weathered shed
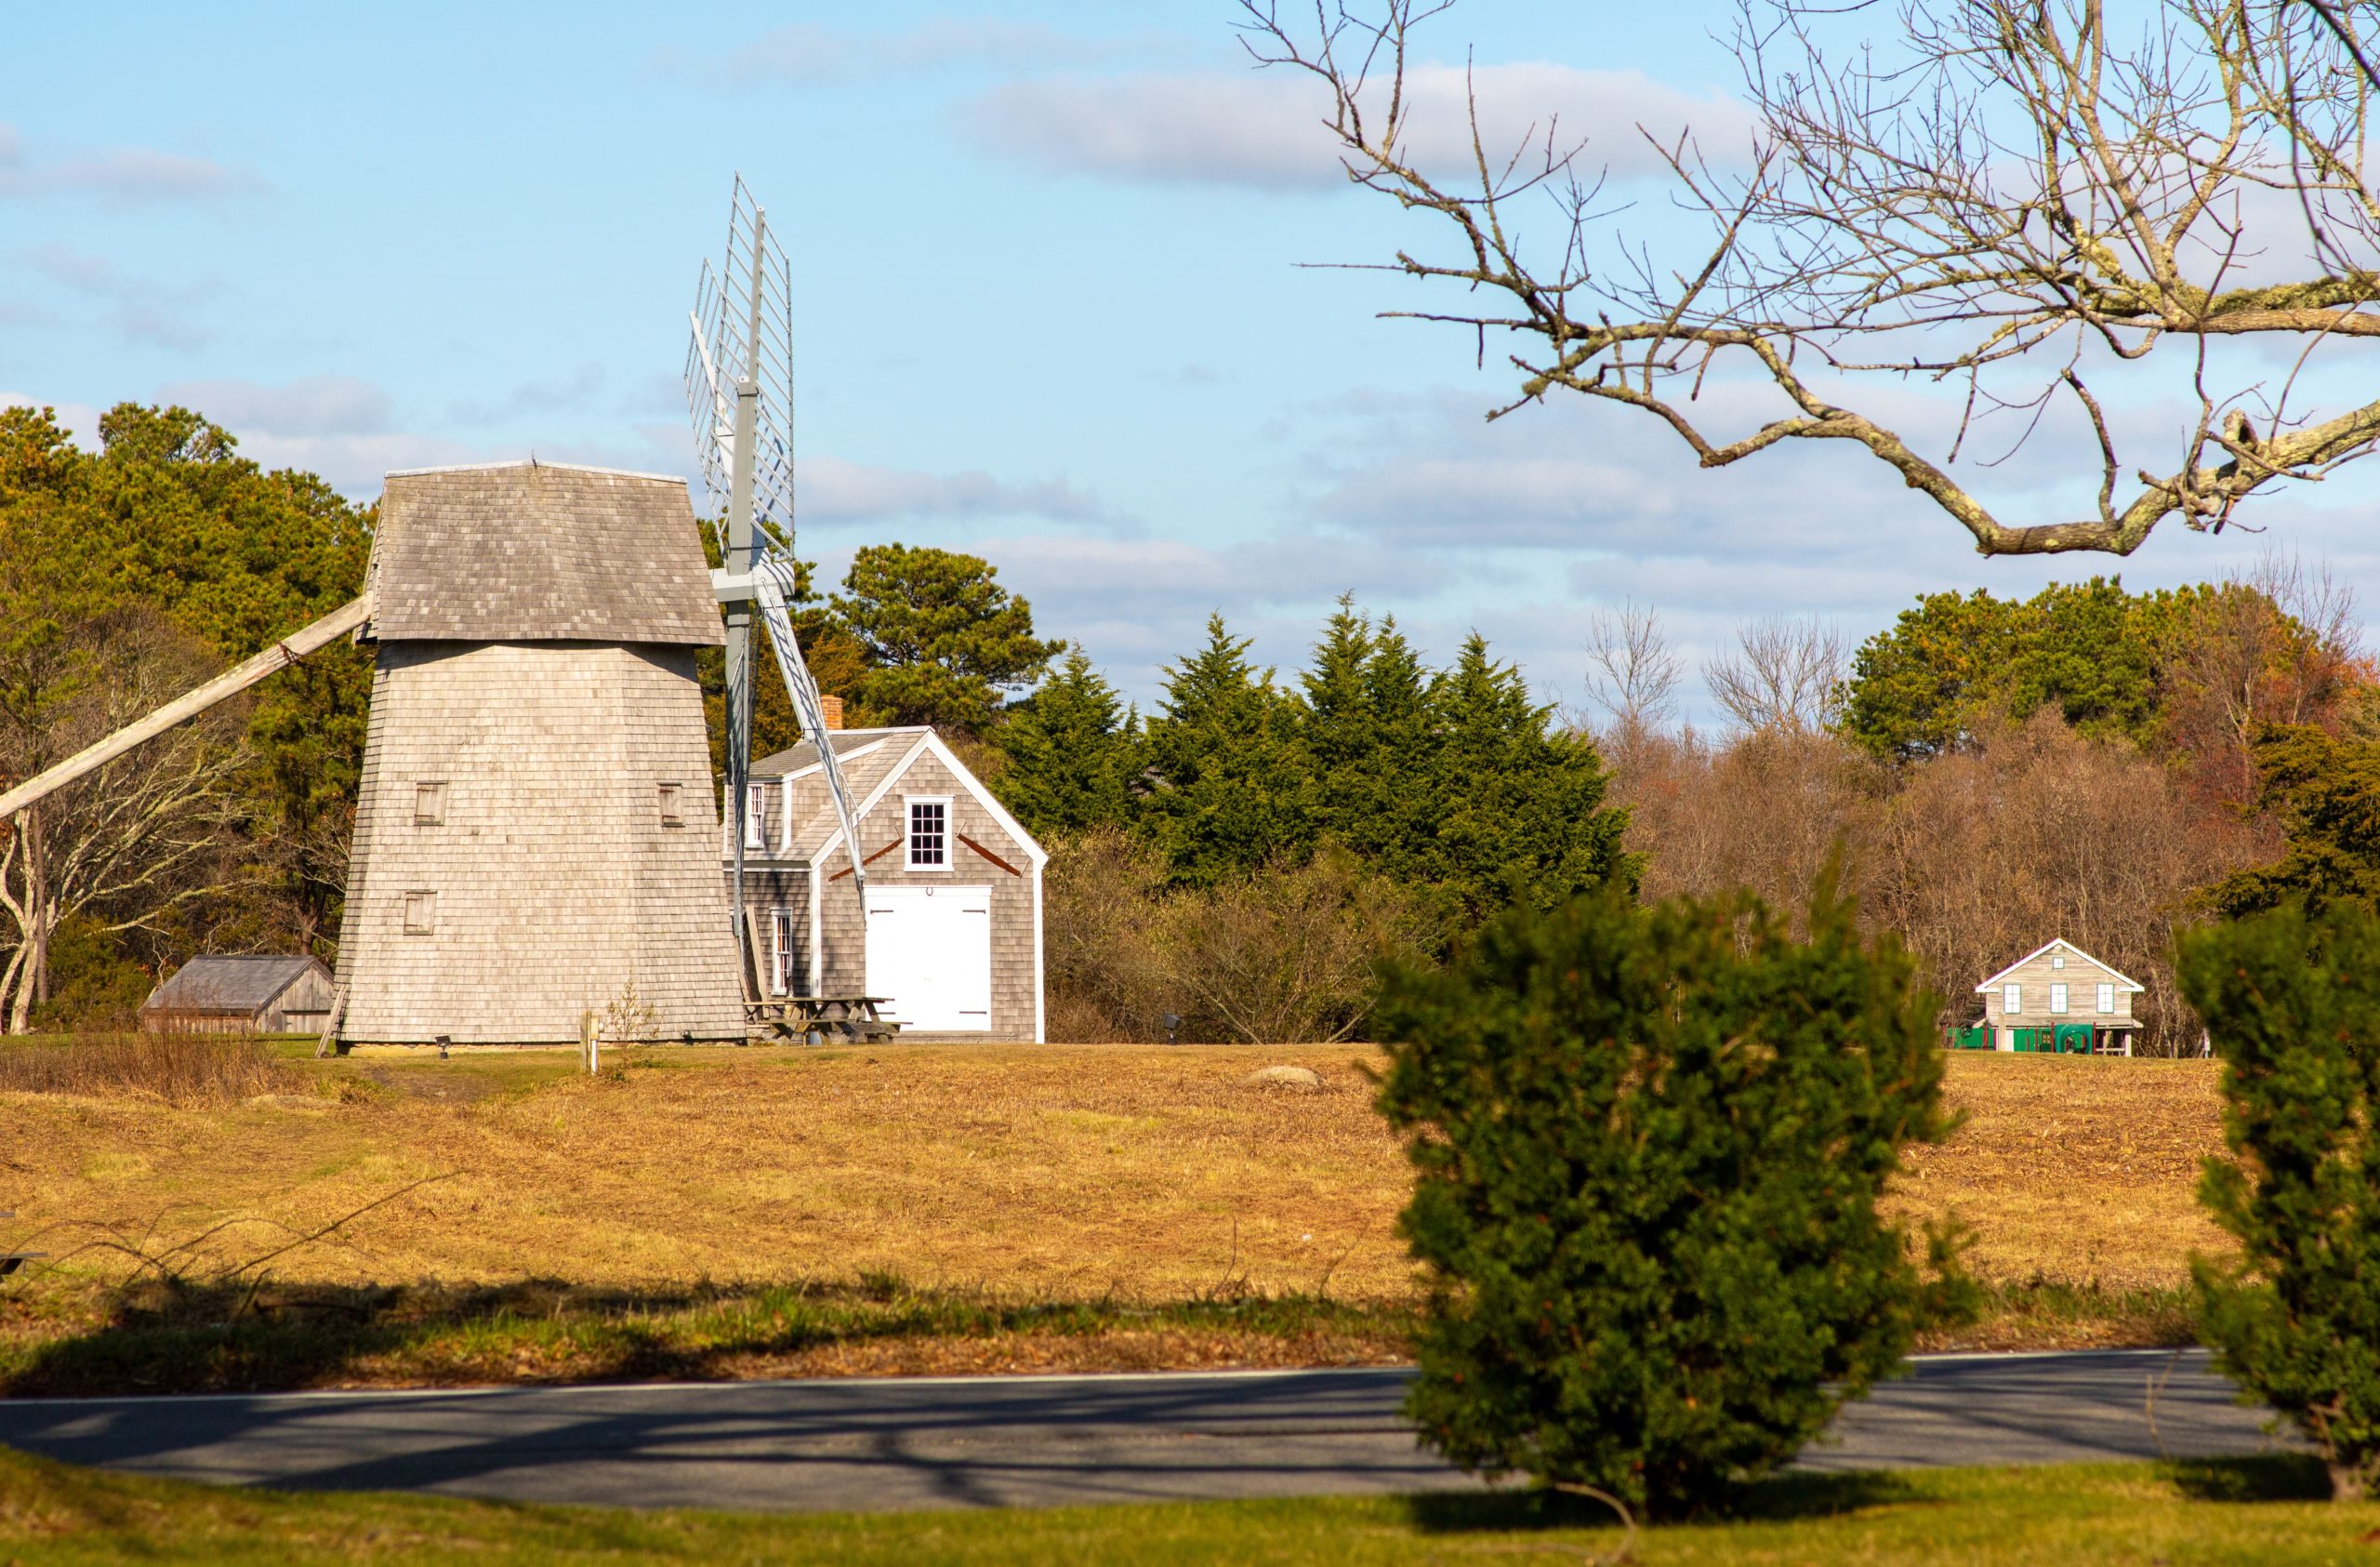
(534,839)
(953,930)
(2058,998)
(254,994)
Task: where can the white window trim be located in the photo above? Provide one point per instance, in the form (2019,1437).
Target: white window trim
(780,924)
(756,815)
(2057,999)
(949,833)
(2106,999)
(2011,999)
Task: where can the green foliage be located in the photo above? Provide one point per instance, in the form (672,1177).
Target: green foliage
(1234,782)
(1954,664)
(1650,1146)
(168,516)
(2326,792)
(1071,752)
(2293,1002)
(945,642)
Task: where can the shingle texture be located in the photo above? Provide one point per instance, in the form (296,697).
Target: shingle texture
(535,553)
(555,884)
(231,985)
(784,874)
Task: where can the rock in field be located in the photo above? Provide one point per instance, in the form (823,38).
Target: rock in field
(1303,1079)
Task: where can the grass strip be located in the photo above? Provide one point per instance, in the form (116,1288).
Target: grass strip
(2242,1510)
(177,1336)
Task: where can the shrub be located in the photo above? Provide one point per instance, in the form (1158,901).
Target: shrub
(2293,1004)
(181,1069)
(1649,1145)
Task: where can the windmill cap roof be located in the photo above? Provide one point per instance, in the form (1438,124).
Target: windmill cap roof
(540,551)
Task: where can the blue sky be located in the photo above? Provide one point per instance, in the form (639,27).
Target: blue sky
(1051,304)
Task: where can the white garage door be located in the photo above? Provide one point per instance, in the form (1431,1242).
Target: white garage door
(930,949)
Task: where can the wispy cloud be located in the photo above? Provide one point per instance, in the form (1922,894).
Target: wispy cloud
(835,491)
(140,309)
(1265,129)
(125,175)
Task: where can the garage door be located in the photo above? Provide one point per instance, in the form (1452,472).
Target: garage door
(930,950)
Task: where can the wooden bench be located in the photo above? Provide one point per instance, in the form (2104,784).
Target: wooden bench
(815,1019)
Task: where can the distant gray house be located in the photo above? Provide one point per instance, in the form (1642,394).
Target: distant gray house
(953,932)
(533,831)
(240,995)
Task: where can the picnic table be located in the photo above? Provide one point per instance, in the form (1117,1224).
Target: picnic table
(815,1019)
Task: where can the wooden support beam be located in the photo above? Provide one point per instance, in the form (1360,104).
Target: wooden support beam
(181,709)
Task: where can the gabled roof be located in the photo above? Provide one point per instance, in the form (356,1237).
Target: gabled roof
(231,986)
(873,761)
(2071,950)
(532,551)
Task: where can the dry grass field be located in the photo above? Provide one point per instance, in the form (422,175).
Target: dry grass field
(1061,1174)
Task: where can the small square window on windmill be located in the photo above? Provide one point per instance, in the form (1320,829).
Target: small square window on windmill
(739,389)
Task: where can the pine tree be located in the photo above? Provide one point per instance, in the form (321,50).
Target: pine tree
(1232,785)
(1650,1146)
(2293,1003)
(1072,750)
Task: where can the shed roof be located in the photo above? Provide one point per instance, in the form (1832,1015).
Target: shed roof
(540,551)
(2071,950)
(229,985)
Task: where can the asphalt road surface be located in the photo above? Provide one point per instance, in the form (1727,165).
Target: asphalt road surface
(1040,1441)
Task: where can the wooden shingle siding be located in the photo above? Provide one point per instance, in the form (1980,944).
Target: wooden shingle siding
(558,886)
(537,551)
(900,763)
(2082,976)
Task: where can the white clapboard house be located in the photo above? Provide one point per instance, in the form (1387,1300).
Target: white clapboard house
(952,938)
(2058,998)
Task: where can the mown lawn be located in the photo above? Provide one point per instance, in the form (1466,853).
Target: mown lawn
(2255,1510)
(394,1218)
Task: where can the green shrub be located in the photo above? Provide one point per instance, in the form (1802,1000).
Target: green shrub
(1650,1146)
(2293,1003)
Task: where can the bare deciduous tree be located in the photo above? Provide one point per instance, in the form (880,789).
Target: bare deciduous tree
(1784,674)
(2025,202)
(133,840)
(1633,673)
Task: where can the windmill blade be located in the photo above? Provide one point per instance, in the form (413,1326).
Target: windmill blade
(772,583)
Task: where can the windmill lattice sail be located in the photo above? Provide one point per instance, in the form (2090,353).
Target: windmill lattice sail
(739,391)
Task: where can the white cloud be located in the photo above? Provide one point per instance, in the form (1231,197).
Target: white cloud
(1264,129)
(313,407)
(834,491)
(117,174)
(140,309)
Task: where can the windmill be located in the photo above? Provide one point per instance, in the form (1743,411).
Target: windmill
(739,389)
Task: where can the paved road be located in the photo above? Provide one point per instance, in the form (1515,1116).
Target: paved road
(1029,1441)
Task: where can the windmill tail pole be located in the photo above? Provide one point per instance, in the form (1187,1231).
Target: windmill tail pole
(280,656)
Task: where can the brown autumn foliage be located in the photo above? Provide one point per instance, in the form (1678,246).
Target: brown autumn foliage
(1973,859)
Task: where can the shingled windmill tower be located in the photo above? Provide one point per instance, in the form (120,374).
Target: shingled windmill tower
(535,836)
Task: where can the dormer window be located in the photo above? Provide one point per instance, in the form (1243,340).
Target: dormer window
(928,834)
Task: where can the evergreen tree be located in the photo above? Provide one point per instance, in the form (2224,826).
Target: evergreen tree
(1233,786)
(2293,1003)
(2326,793)
(1072,750)
(1367,728)
(945,642)
(1518,804)
(1649,1146)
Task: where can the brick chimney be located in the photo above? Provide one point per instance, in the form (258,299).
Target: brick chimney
(831,710)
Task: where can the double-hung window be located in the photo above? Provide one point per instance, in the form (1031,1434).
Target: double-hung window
(2012,999)
(756,816)
(780,953)
(2058,998)
(2107,997)
(929,833)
